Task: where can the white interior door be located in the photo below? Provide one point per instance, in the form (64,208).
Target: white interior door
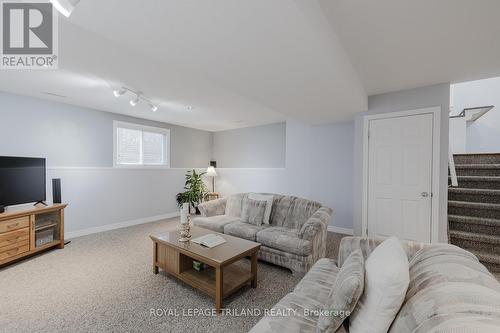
(400,177)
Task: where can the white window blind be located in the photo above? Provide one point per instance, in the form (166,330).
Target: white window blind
(137,145)
(129,146)
(152,148)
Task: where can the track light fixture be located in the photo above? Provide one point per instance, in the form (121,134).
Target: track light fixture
(134,101)
(138,97)
(119,92)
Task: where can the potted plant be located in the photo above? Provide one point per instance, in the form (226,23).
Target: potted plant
(195,190)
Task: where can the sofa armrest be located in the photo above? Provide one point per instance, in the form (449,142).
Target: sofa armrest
(317,223)
(367,245)
(315,230)
(213,207)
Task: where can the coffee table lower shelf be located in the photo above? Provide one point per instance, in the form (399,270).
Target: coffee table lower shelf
(234,278)
(218,280)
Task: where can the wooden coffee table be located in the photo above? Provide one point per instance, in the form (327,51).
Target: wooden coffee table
(221,278)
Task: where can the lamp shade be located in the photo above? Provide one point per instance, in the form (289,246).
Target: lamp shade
(211,172)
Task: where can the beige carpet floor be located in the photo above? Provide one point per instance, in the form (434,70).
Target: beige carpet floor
(104,283)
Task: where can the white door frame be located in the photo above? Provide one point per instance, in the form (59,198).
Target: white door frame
(436,165)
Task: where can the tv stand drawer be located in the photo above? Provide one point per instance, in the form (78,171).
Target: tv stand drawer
(18,249)
(14,224)
(14,237)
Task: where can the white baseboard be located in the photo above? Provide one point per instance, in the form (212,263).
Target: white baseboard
(107,227)
(339,230)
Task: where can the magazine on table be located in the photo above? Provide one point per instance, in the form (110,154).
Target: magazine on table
(210,240)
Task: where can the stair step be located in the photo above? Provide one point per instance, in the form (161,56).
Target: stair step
(478,169)
(478,242)
(479,182)
(490,239)
(480,158)
(487,257)
(474,195)
(474,209)
(490,260)
(474,224)
(477,166)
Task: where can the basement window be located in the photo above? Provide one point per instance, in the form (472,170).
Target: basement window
(141,146)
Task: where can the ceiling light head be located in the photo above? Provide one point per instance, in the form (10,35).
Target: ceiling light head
(119,92)
(154,108)
(189,107)
(54,94)
(134,101)
(65,7)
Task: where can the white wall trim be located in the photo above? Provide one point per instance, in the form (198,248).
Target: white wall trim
(110,168)
(107,227)
(113,226)
(436,165)
(339,230)
(90,168)
(251,169)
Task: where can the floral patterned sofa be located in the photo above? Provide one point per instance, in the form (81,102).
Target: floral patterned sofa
(449,291)
(295,237)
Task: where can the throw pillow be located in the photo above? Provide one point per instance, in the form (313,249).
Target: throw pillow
(233,205)
(253,211)
(269,204)
(386,281)
(344,296)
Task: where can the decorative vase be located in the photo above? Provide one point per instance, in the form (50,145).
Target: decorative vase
(185,225)
(185,232)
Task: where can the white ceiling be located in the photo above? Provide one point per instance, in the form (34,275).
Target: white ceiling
(401,44)
(245,63)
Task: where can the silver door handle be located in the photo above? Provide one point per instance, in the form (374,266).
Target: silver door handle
(424,194)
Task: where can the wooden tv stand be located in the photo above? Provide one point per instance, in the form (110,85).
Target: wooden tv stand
(25,232)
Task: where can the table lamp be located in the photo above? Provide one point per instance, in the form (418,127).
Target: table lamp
(211,173)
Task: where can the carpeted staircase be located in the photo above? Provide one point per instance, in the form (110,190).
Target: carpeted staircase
(474,207)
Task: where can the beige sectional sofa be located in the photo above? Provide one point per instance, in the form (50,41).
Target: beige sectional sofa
(295,238)
(449,291)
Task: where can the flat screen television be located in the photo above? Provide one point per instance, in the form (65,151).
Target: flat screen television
(22,180)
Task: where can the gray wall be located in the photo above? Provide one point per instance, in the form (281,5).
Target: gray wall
(78,145)
(430,96)
(331,170)
(78,137)
(252,147)
(322,163)
(482,135)
(319,166)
